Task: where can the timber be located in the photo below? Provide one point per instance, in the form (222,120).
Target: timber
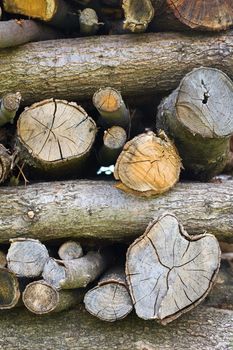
(9,106)
(88,209)
(5,163)
(197,116)
(138,14)
(157,62)
(203,328)
(70,250)
(9,289)
(170,272)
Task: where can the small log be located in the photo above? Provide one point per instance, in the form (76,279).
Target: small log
(9,289)
(203,15)
(170,272)
(148,165)
(70,250)
(18,32)
(26,257)
(76,273)
(3,261)
(197,115)
(41,298)
(88,21)
(138,14)
(9,106)
(56,137)
(110,105)
(113,141)
(110,299)
(56,12)
(5,163)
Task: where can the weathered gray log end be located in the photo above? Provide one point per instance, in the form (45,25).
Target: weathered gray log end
(198,116)
(9,289)
(170,272)
(55,137)
(41,298)
(26,257)
(110,299)
(70,250)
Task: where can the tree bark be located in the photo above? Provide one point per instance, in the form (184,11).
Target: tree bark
(9,289)
(77,67)
(14,33)
(204,328)
(55,137)
(197,116)
(110,299)
(87,209)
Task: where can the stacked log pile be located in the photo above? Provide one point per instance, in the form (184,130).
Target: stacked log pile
(116,129)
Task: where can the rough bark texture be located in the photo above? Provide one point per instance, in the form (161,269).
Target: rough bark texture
(14,33)
(204,328)
(77,67)
(97,210)
(197,116)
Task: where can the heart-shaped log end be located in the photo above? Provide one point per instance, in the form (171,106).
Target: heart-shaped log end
(170,272)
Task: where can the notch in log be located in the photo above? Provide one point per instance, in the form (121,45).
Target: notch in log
(26,257)
(70,250)
(9,289)
(148,165)
(18,32)
(170,272)
(198,116)
(138,14)
(113,141)
(205,14)
(9,106)
(110,299)
(41,298)
(110,105)
(76,273)
(55,137)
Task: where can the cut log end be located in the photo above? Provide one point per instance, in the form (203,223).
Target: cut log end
(169,272)
(148,165)
(115,137)
(107,100)
(55,134)
(9,289)
(88,21)
(11,101)
(204,14)
(138,14)
(70,250)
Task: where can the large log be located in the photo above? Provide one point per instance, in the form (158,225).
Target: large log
(143,64)
(97,210)
(205,328)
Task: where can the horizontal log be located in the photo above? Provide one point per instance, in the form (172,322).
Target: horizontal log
(143,64)
(97,210)
(205,328)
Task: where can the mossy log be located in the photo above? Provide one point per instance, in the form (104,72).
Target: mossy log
(197,116)
(97,210)
(143,65)
(55,137)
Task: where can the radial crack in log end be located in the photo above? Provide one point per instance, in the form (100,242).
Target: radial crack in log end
(26,257)
(170,272)
(203,14)
(198,116)
(56,137)
(110,299)
(138,14)
(148,165)
(9,289)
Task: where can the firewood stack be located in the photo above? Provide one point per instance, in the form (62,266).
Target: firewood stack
(116,128)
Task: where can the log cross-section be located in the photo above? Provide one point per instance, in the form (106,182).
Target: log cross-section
(168,271)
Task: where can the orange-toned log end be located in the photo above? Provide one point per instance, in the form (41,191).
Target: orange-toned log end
(203,14)
(148,165)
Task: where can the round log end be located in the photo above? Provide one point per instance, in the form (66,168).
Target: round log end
(115,137)
(70,250)
(204,103)
(40,297)
(148,165)
(109,302)
(9,289)
(138,14)
(11,101)
(107,100)
(203,14)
